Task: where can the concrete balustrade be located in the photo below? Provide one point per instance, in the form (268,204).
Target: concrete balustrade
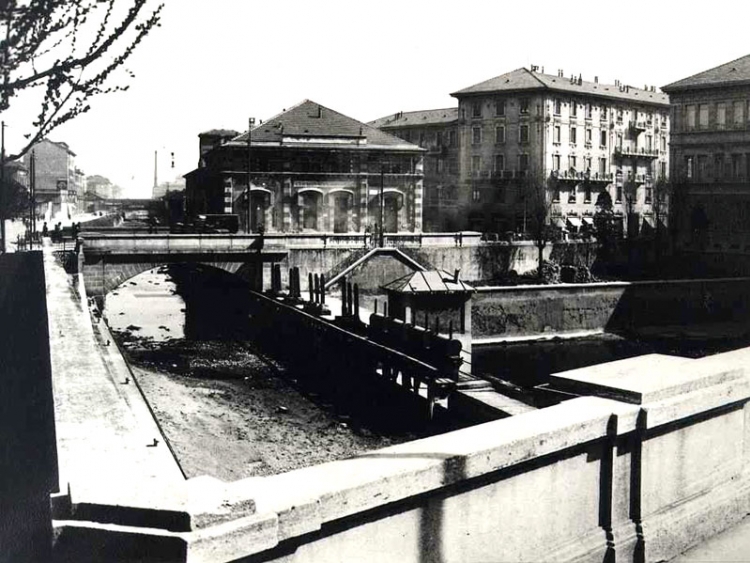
(652,461)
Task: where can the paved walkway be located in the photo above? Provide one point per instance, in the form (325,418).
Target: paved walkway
(105,431)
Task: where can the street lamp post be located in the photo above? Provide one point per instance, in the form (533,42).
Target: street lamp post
(250,123)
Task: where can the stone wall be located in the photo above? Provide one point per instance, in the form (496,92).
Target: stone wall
(612,307)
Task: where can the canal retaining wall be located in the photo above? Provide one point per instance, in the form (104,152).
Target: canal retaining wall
(618,307)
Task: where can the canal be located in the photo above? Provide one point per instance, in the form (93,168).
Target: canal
(230,411)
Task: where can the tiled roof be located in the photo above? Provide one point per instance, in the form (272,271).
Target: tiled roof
(432,281)
(733,72)
(310,120)
(415,118)
(523,79)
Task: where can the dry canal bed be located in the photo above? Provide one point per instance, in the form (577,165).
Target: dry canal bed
(228,413)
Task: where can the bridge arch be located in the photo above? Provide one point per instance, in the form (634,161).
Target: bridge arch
(103,276)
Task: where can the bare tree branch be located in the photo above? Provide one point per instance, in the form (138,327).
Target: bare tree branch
(69,50)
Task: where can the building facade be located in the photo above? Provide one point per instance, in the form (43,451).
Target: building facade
(710,157)
(311,170)
(57,180)
(437,132)
(577,139)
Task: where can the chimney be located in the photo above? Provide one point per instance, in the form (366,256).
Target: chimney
(456,274)
(596,80)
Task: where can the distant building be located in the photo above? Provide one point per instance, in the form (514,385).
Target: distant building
(710,156)
(58,182)
(164,188)
(578,139)
(312,170)
(437,131)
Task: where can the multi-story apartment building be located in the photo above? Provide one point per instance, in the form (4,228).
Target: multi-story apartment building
(311,169)
(577,138)
(710,157)
(57,179)
(437,131)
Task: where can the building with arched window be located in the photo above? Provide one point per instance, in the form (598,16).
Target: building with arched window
(311,169)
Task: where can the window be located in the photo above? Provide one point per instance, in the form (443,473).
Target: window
(499,162)
(619,115)
(476,195)
(721,115)
(452,138)
(588,137)
(476,163)
(587,164)
(440,165)
(588,111)
(701,168)
(618,194)
(523,134)
(738,113)
(557,106)
(573,135)
(523,162)
(663,144)
(603,114)
(619,141)
(556,193)
(556,162)
(406,136)
(573,109)
(690,116)
(649,194)
(649,142)
(662,169)
(476,135)
(586,192)
(603,139)
(718,166)
(452,166)
(524,107)
(476,109)
(572,195)
(500,134)
(602,167)
(703,116)
(571,162)
(439,138)
(500,108)
(736,166)
(556,135)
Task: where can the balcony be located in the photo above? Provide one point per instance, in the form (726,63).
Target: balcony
(576,176)
(502,174)
(632,152)
(638,125)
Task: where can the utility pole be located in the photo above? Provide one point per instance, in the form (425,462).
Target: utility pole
(2,186)
(381,239)
(250,123)
(32,193)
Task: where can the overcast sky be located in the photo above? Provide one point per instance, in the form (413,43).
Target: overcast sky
(214,63)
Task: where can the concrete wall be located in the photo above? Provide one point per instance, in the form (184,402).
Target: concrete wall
(654,460)
(28,456)
(611,307)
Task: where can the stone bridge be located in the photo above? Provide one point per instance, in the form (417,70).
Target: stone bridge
(108,260)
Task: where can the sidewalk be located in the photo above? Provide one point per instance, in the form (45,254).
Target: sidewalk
(105,432)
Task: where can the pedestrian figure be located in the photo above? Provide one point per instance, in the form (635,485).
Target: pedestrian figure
(74,230)
(45,230)
(56,234)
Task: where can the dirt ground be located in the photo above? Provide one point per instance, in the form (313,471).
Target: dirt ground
(231,414)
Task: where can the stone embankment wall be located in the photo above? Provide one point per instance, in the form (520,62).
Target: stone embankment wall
(618,307)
